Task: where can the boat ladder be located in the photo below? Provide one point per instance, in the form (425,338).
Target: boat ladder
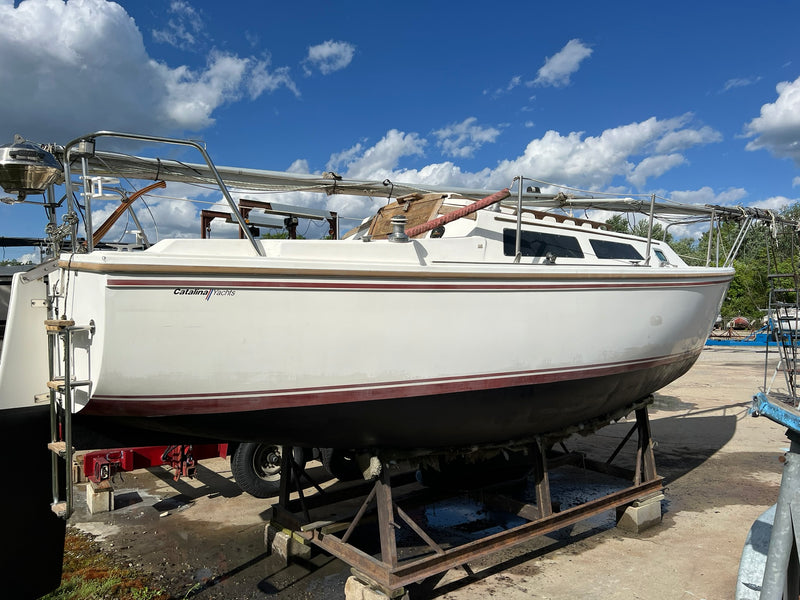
(784,312)
(61,385)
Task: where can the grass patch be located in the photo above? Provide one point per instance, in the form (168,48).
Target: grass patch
(91,574)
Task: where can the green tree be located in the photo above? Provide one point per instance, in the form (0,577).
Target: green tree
(618,223)
(761,252)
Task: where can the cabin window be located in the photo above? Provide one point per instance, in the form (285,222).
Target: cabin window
(660,255)
(536,243)
(620,250)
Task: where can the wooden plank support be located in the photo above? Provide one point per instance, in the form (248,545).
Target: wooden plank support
(386,524)
(416,570)
(392,574)
(56,325)
(645,460)
(59,448)
(59,508)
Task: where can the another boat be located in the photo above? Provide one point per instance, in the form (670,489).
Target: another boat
(738,323)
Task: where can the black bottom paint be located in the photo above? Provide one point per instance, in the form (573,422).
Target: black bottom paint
(32,538)
(425,422)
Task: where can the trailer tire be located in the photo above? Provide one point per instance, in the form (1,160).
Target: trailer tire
(257,467)
(341,464)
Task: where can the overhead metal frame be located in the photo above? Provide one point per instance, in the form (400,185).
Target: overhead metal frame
(247,206)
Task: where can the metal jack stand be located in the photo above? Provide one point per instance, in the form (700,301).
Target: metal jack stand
(390,573)
(782,571)
(781,576)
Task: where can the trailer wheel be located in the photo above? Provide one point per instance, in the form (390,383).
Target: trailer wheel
(341,464)
(257,468)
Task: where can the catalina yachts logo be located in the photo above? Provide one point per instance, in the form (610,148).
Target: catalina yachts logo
(208,293)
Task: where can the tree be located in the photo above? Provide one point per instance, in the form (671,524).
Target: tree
(618,223)
(643,225)
(760,253)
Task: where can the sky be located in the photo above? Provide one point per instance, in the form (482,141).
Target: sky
(694,101)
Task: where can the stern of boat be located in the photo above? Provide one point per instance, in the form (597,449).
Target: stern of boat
(37,532)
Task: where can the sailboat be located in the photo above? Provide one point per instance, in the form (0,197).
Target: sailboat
(447,319)
(452,318)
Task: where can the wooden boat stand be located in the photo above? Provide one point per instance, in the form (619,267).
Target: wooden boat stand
(390,575)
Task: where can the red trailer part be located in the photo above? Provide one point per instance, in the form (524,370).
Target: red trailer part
(100,465)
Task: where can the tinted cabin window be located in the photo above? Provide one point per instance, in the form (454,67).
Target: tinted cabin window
(536,243)
(606,249)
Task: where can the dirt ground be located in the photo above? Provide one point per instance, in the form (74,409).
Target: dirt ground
(204,538)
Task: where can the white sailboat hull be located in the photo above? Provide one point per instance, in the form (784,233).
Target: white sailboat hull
(368,353)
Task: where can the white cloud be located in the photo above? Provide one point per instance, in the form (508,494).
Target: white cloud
(461,140)
(191,96)
(513,83)
(616,155)
(675,141)
(775,203)
(795,181)
(260,79)
(706,195)
(558,68)
(185,28)
(593,162)
(653,166)
(299,166)
(604,161)
(33,258)
(739,82)
(777,129)
(380,160)
(329,56)
(94,73)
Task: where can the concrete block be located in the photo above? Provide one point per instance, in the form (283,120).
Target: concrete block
(99,497)
(640,515)
(286,544)
(355,589)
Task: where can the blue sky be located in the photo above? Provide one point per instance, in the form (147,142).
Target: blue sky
(695,101)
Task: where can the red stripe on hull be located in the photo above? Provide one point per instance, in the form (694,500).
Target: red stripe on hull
(344,286)
(219,403)
(451,420)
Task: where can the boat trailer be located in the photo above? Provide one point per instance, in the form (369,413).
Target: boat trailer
(293,527)
(102,465)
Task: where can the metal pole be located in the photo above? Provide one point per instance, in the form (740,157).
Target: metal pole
(518,243)
(68,417)
(87,198)
(70,200)
(52,350)
(650,228)
(710,237)
(132,136)
(782,543)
